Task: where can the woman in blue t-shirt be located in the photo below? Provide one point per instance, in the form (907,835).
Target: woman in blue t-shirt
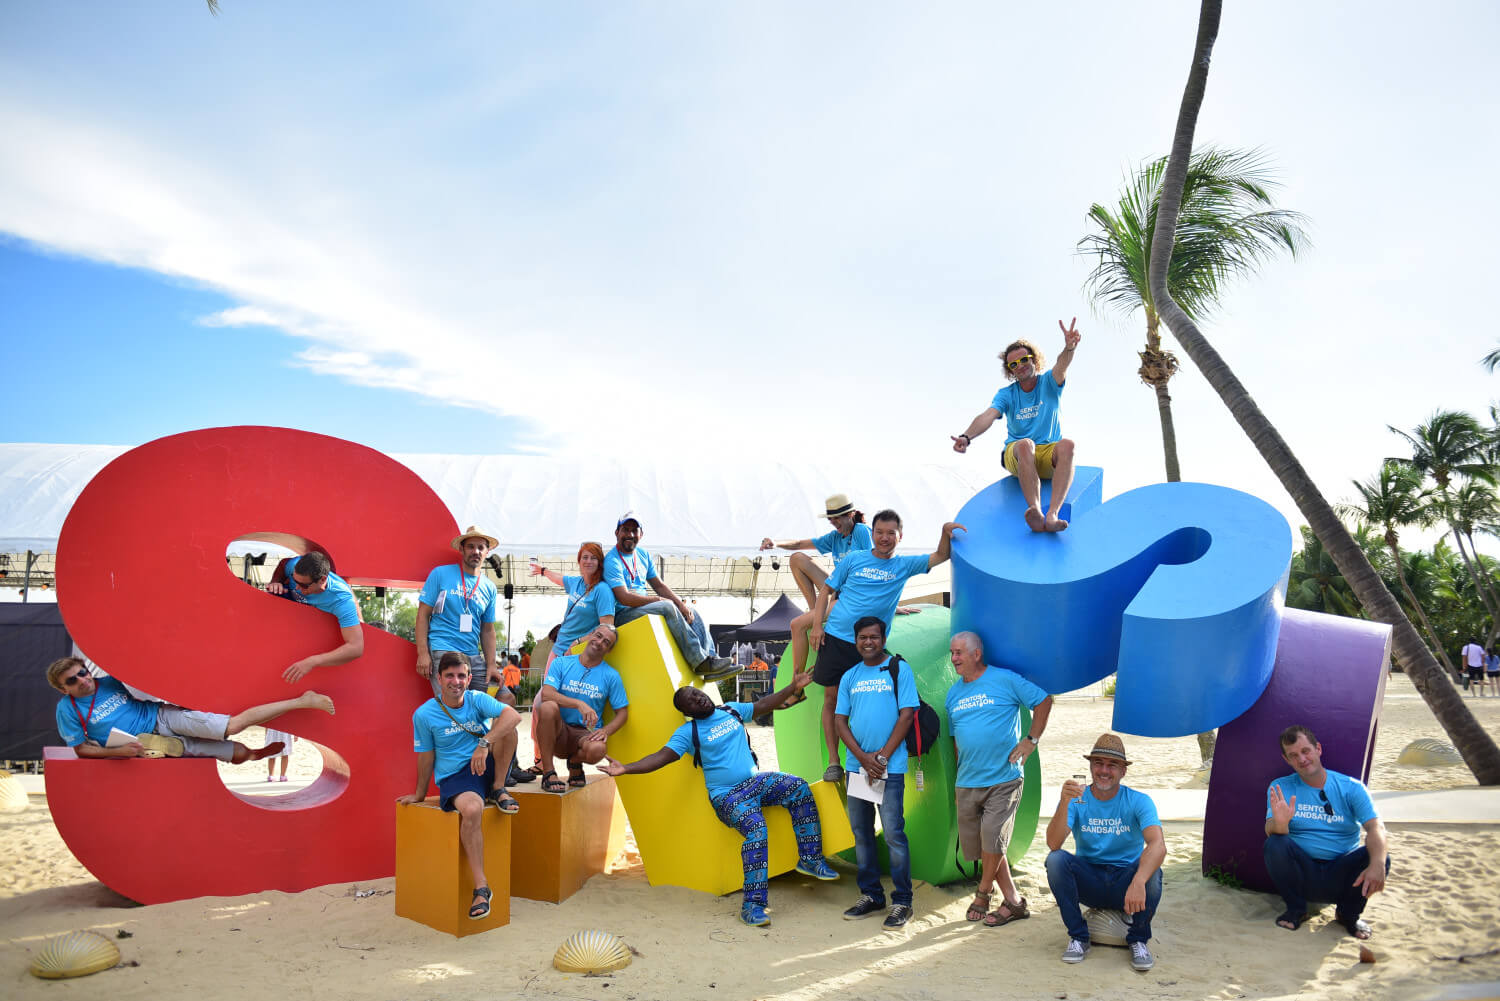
(590,604)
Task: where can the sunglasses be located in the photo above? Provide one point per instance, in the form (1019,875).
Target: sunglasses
(1013,365)
(74,678)
(1327,806)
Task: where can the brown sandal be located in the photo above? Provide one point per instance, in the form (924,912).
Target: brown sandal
(981,905)
(995,918)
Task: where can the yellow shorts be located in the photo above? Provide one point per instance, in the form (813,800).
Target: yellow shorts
(1043,459)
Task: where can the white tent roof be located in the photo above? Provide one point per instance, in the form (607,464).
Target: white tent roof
(541,505)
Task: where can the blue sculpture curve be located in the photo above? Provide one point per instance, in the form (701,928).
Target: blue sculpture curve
(1176,586)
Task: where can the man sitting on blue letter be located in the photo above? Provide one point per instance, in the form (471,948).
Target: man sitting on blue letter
(1120,851)
(1312,850)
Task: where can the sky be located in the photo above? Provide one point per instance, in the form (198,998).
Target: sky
(782,229)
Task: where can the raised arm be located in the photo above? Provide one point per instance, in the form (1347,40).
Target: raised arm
(978,426)
(778,700)
(1071,337)
(770,543)
(945,545)
(1057,827)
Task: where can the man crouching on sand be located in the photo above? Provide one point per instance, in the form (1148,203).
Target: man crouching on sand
(94,707)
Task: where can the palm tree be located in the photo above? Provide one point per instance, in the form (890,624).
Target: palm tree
(1475,508)
(1315,584)
(1392,500)
(1452,443)
(1491,361)
(1477,747)
(1227,226)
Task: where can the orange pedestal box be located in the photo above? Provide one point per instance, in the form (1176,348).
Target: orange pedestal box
(433,885)
(562,839)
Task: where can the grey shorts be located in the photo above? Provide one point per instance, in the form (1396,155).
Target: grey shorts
(986,818)
(203,735)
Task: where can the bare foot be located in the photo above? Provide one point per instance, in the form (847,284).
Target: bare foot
(1055,524)
(312,700)
(1035,521)
(268,751)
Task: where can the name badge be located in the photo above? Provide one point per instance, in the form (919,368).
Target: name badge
(465,623)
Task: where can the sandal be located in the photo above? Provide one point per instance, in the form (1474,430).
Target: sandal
(503,801)
(981,905)
(1018,912)
(480,908)
(576,778)
(536,769)
(1290,921)
(551,783)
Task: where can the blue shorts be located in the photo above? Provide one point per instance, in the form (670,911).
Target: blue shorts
(464,780)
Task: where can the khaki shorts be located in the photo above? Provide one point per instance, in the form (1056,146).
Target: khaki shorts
(1043,459)
(986,818)
(570,741)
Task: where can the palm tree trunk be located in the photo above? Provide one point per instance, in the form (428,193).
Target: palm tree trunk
(1478,749)
(1163,398)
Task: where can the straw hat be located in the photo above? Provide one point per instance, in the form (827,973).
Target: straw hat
(1109,746)
(837,504)
(473,532)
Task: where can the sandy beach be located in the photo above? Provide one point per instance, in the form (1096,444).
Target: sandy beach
(1433,926)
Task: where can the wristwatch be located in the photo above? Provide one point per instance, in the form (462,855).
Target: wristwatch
(1034,740)
(882,759)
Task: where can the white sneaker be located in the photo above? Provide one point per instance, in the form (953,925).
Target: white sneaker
(1140,957)
(1075,951)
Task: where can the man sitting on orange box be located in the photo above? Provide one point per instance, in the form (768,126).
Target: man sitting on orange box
(461,735)
(97,708)
(568,707)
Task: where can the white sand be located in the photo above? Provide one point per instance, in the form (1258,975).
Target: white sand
(1210,942)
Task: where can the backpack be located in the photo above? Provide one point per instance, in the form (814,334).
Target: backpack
(698,748)
(924,724)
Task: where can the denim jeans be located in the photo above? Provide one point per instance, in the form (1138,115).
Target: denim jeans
(893,825)
(1300,878)
(1076,881)
(692,639)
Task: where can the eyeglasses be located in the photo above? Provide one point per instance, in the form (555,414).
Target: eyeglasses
(308,585)
(73,678)
(1327,806)
(1017,363)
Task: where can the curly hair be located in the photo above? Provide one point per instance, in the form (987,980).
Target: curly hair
(1038,360)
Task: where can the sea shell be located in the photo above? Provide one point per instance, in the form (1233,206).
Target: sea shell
(1107,927)
(76,954)
(592,952)
(1429,751)
(12,795)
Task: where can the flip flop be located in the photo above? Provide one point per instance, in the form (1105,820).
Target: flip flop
(1290,921)
(1019,912)
(480,908)
(551,783)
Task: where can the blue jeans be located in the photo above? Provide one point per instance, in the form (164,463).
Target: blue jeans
(893,824)
(1300,878)
(692,639)
(1076,881)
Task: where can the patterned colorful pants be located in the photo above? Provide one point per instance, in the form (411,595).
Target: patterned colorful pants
(740,808)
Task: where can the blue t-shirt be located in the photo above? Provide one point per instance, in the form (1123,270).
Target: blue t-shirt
(451,585)
(454,742)
(336,599)
(984,716)
(1030,415)
(595,685)
(630,572)
(584,610)
(868,585)
(841,545)
(1317,831)
(112,707)
(1112,831)
(724,747)
(868,698)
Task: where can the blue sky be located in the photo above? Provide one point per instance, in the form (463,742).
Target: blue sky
(775,227)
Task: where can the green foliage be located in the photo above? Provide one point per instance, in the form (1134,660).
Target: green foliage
(529,644)
(396,613)
(1225,877)
(526,691)
(1108,688)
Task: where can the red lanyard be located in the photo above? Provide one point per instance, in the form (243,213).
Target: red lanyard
(630,568)
(83,721)
(467,592)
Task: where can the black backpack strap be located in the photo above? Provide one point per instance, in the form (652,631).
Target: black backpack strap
(698,748)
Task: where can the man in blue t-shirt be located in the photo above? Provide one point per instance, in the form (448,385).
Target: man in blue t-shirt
(876,702)
(95,708)
(1035,449)
(569,708)
(715,736)
(631,575)
(465,738)
(984,716)
(1312,850)
(867,583)
(456,612)
(1120,849)
(310,580)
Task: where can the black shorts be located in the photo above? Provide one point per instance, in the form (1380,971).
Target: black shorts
(1476,673)
(835,657)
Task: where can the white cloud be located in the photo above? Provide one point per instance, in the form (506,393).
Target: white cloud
(243,316)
